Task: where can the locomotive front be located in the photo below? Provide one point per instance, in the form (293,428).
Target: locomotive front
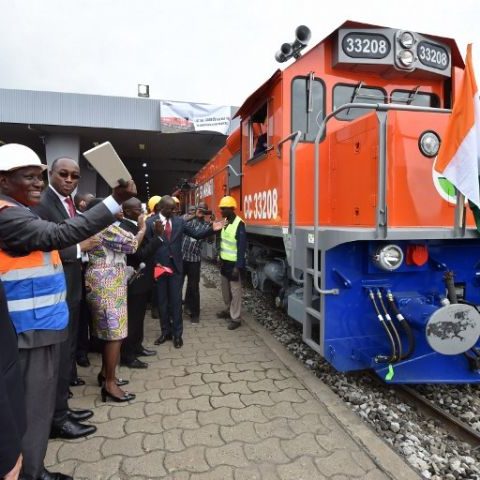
(347,220)
(392,279)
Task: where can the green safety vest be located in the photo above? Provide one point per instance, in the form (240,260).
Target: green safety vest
(228,244)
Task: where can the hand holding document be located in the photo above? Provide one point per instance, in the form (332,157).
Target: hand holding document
(110,167)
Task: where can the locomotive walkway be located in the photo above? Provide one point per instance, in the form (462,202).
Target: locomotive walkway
(229,405)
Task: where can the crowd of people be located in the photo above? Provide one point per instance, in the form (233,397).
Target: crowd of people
(77,274)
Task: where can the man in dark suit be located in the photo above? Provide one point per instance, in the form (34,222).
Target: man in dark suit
(56,206)
(139,289)
(41,320)
(81,201)
(12,399)
(169,254)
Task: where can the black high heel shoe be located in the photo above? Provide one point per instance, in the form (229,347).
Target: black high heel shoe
(107,395)
(120,381)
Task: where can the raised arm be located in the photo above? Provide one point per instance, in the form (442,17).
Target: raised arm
(22,232)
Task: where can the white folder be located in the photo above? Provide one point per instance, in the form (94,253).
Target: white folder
(108,164)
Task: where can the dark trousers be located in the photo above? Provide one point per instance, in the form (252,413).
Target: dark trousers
(84,323)
(191,270)
(39,367)
(137,307)
(67,370)
(169,295)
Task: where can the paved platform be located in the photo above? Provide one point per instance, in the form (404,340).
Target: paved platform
(229,405)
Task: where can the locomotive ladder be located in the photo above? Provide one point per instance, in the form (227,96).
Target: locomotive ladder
(314,279)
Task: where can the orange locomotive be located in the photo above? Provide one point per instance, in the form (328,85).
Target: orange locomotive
(348,223)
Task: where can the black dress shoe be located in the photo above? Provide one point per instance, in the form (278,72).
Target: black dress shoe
(177,342)
(163,338)
(79,415)
(83,361)
(145,352)
(70,394)
(46,475)
(107,395)
(77,382)
(71,429)
(135,363)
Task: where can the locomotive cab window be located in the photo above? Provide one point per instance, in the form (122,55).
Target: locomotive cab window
(343,94)
(258,134)
(308,108)
(415,97)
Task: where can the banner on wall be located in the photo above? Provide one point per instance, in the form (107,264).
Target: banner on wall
(177,117)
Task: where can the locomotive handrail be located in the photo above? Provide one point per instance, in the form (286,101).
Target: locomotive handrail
(295,136)
(286,139)
(381,216)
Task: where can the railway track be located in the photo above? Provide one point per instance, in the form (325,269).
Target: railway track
(461,430)
(454,426)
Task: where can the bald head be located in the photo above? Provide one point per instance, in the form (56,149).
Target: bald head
(167,206)
(131,203)
(81,201)
(64,175)
(132,209)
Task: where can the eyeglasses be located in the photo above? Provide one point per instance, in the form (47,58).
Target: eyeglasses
(73,176)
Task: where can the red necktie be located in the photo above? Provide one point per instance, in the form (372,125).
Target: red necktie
(71,207)
(168,230)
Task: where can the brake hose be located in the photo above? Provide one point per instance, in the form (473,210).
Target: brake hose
(393,355)
(389,320)
(403,322)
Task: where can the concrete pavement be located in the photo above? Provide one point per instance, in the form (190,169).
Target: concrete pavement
(229,405)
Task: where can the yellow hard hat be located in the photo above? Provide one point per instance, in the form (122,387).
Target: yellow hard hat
(153,201)
(227,202)
(176,200)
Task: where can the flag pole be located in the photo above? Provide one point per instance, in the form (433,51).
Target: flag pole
(459,221)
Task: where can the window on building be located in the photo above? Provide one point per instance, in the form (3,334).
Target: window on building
(308,106)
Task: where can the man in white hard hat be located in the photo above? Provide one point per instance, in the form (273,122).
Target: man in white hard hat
(32,274)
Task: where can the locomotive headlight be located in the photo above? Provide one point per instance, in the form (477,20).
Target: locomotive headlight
(389,257)
(406,40)
(429,143)
(406,58)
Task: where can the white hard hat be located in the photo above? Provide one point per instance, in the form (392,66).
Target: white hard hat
(14,155)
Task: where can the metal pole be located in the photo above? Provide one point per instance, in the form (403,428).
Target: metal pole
(292,206)
(381,214)
(459,219)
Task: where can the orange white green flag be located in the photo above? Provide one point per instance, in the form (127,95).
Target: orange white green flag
(459,155)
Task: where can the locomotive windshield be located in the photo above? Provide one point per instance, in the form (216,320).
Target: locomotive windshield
(308,109)
(343,94)
(415,97)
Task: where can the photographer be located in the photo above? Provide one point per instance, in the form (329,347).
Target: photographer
(191,251)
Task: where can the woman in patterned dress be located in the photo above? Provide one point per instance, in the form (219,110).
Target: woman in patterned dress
(106,284)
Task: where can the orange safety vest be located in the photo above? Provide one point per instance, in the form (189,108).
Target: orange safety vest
(35,288)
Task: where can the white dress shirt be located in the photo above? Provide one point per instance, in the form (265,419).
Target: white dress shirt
(109,202)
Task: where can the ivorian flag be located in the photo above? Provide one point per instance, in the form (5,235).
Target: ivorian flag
(459,155)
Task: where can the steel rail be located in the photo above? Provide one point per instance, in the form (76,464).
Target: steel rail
(453,425)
